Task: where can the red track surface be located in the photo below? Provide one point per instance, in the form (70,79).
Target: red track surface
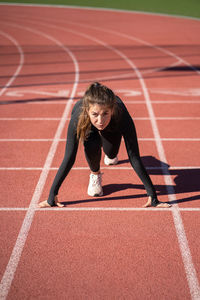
(105,248)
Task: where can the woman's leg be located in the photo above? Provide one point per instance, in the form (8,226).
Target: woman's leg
(92,148)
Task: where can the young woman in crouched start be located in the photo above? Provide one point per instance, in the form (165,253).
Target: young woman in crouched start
(100,120)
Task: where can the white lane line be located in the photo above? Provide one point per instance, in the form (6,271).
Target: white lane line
(180,231)
(31,119)
(67,208)
(104,168)
(177,118)
(57,102)
(39,102)
(30,140)
(21,61)
(125,101)
(165,101)
(140,139)
(135,118)
(180,139)
(21,239)
(20,93)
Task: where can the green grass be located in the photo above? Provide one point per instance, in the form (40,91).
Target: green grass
(190,8)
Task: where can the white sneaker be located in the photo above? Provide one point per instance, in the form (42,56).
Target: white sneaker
(94,187)
(108,161)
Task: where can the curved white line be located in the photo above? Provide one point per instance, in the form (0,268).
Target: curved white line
(180,231)
(110,48)
(140,41)
(22,236)
(21,61)
(169,53)
(179,60)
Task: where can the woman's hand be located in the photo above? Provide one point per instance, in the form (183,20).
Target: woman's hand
(44,204)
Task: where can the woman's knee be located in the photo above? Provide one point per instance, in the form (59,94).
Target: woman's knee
(92,149)
(92,146)
(111,147)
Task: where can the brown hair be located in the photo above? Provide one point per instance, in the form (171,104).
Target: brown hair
(95,94)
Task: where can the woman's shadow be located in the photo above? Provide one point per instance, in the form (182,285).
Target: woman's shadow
(185,181)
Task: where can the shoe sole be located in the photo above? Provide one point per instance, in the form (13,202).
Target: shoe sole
(96,195)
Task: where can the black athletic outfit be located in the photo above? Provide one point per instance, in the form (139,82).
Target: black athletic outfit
(109,139)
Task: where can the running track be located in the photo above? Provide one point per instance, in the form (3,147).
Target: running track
(110,247)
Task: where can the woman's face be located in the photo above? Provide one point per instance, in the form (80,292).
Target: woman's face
(99,115)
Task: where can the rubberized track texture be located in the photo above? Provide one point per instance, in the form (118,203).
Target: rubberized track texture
(108,247)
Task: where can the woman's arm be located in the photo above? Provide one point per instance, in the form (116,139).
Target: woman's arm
(67,163)
(68,160)
(131,142)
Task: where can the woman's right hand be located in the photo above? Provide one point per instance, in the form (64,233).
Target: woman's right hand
(44,204)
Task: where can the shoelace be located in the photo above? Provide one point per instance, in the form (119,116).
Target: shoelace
(96,179)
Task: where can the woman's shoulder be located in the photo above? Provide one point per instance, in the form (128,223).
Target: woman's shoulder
(77,106)
(118,100)
(121,105)
(126,119)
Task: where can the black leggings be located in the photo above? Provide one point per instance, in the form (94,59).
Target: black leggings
(110,142)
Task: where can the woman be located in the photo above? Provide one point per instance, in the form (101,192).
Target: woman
(100,120)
